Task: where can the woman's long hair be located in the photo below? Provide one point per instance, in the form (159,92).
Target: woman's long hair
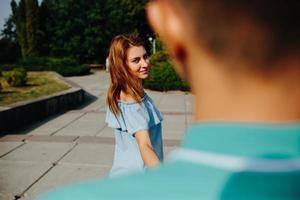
(122,79)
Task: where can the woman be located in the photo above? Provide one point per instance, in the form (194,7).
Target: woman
(131,112)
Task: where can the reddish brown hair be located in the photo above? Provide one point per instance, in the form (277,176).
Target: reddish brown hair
(121,77)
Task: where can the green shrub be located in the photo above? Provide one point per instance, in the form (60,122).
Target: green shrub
(63,66)
(163,77)
(34,61)
(61,62)
(160,56)
(16,77)
(8,67)
(71,70)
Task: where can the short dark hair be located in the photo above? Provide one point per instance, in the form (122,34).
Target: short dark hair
(275,26)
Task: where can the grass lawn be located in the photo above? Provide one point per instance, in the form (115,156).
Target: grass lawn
(38,84)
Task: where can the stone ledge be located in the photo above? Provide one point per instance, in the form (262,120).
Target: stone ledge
(24,113)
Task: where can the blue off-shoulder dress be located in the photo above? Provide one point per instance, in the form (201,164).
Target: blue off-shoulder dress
(134,117)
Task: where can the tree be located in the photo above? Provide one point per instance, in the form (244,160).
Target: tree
(9,47)
(9,30)
(32,26)
(25,17)
(19,19)
(81,29)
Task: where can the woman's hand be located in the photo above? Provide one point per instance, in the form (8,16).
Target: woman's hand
(147,152)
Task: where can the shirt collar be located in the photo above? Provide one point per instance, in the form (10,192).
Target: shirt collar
(242,139)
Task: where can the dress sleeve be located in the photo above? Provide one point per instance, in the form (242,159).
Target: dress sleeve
(133,117)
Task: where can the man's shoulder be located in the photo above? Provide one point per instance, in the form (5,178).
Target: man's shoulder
(178,180)
(184,180)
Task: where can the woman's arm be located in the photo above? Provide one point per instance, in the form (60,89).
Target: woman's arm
(147,152)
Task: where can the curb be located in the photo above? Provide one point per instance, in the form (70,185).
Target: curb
(20,114)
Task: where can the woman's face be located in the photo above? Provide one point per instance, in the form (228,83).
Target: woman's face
(138,61)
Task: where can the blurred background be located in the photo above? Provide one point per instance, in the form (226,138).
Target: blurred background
(80,29)
(71,37)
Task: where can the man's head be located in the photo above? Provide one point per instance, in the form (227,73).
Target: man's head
(229,49)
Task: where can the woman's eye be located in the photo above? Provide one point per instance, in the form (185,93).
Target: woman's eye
(146,56)
(135,61)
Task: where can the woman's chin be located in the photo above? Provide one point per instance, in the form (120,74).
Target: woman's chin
(143,76)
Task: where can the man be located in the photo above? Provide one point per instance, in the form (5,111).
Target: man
(241,59)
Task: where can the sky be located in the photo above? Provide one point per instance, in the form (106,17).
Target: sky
(5,11)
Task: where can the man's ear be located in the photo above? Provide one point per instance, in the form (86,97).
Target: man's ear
(167,23)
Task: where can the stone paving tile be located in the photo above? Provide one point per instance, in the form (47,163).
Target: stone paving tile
(97,117)
(99,81)
(88,125)
(155,96)
(5,147)
(173,135)
(173,124)
(172,102)
(89,153)
(103,109)
(65,174)
(106,132)
(82,132)
(171,143)
(189,120)
(14,138)
(39,152)
(6,196)
(56,124)
(46,138)
(95,139)
(189,102)
(16,176)
(95,106)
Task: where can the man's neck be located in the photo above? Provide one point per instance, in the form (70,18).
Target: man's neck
(226,95)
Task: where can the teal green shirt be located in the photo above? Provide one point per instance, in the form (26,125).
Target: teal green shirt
(215,161)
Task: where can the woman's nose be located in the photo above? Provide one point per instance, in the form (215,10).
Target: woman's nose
(145,62)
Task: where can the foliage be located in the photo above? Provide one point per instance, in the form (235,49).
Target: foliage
(32,27)
(9,30)
(16,77)
(86,35)
(159,56)
(9,47)
(63,66)
(162,76)
(25,16)
(19,18)
(80,29)
(48,61)
(9,51)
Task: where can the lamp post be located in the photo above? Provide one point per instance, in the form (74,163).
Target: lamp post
(153,42)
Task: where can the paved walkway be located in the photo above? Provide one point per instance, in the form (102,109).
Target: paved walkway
(76,145)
